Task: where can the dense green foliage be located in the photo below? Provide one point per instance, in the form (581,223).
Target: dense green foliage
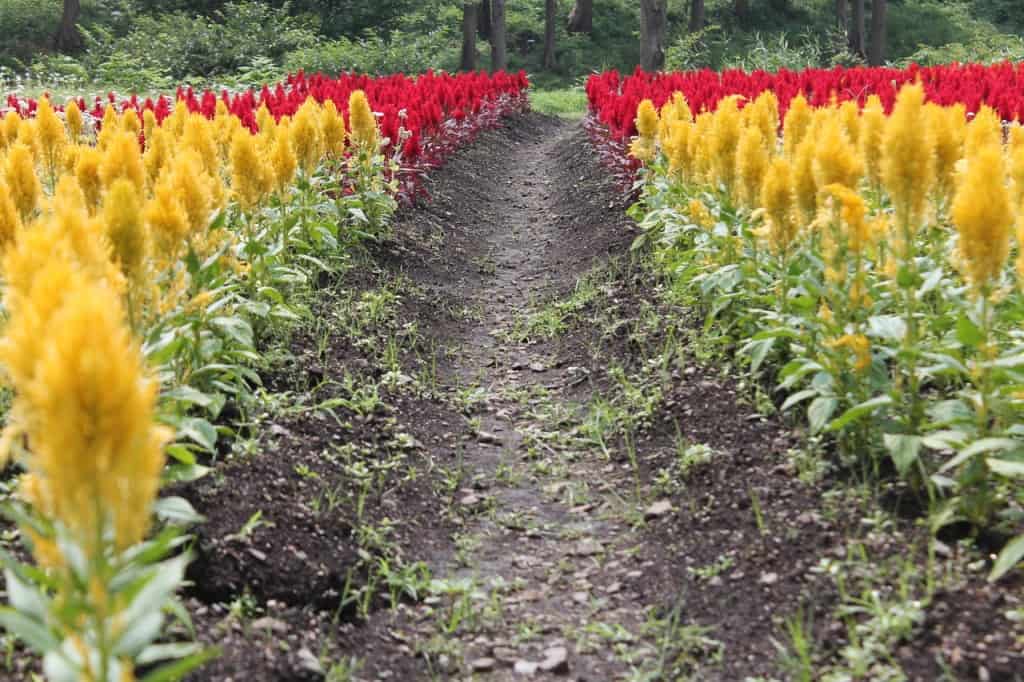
(150,44)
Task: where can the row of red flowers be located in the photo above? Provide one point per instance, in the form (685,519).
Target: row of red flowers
(432,107)
(614,99)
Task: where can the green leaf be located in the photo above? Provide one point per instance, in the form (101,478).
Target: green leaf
(759,351)
(177,670)
(978,447)
(236,328)
(189,395)
(944,440)
(155,653)
(25,597)
(199,431)
(184,473)
(165,579)
(798,397)
(891,327)
(181,453)
(30,631)
(968,333)
(1011,555)
(176,510)
(859,410)
(1007,468)
(140,633)
(904,450)
(820,411)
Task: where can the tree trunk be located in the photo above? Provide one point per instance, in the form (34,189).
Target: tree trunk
(499,36)
(550,11)
(855,33)
(841,14)
(581,19)
(468,60)
(878,25)
(741,8)
(484,19)
(653,21)
(67,38)
(696,15)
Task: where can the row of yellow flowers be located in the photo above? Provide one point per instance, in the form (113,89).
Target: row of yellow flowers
(94,231)
(925,157)
(874,253)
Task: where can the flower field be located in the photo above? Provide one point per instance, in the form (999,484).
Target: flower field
(149,249)
(856,237)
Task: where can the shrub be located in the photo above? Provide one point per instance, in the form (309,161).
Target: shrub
(375,55)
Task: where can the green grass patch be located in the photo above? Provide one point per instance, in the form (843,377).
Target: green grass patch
(566,102)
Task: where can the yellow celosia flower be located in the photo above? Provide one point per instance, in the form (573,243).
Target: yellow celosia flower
(22,183)
(88,410)
(28,135)
(764,113)
(852,215)
(1017,176)
(265,120)
(681,107)
(646,119)
(825,313)
(122,159)
(1015,136)
(86,244)
(751,163)
(836,160)
(283,161)
(122,215)
(108,127)
(158,154)
(872,126)
(175,122)
(983,217)
(362,122)
(73,118)
(805,187)
(908,162)
(984,131)
(130,122)
(725,137)
(149,126)
(948,126)
(679,148)
(12,122)
(52,139)
(332,128)
(249,176)
(305,133)
(167,220)
(699,147)
(849,114)
(778,200)
(198,136)
(10,217)
(643,149)
(859,345)
(191,184)
(87,170)
(796,124)
(700,214)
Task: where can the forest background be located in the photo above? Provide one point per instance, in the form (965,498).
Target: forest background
(154,45)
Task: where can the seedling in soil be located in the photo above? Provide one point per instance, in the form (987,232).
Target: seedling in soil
(755,505)
(721,565)
(249,527)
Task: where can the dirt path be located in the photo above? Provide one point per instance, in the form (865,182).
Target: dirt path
(548,574)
